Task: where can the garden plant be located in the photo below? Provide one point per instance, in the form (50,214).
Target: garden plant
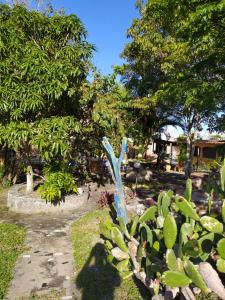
(170,248)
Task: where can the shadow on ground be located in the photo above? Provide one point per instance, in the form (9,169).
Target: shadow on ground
(98,278)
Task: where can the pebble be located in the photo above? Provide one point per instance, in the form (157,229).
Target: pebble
(58,254)
(67,297)
(26,256)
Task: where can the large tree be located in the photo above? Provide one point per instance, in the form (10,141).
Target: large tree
(176,58)
(44,60)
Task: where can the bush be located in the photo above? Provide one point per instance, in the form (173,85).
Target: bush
(57,185)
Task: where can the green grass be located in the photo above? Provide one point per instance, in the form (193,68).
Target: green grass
(11,245)
(95,277)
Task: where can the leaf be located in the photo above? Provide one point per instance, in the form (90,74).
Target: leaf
(104,231)
(175,279)
(221,248)
(118,239)
(220,264)
(134,226)
(206,244)
(192,248)
(223,211)
(122,266)
(222,177)
(169,231)
(195,276)
(188,190)
(149,214)
(186,208)
(149,236)
(211,224)
(123,227)
(165,205)
(171,260)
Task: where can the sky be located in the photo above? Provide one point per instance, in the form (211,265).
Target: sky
(106,22)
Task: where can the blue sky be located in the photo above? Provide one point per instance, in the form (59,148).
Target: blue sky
(106,22)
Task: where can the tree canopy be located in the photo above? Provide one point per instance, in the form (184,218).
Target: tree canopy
(44,61)
(176,59)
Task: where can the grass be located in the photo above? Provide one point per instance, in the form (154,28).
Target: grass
(95,277)
(11,245)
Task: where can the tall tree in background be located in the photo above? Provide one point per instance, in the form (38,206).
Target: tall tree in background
(44,60)
(176,59)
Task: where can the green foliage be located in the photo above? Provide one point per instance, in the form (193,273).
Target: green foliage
(175,65)
(195,276)
(174,279)
(11,245)
(169,231)
(167,242)
(44,62)
(57,185)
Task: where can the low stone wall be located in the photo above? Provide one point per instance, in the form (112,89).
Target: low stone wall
(19,201)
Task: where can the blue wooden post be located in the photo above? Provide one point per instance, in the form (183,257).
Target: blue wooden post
(115,163)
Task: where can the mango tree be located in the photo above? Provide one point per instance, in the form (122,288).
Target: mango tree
(44,60)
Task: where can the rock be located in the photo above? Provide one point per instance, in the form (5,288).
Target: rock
(140,209)
(142,176)
(119,254)
(212,280)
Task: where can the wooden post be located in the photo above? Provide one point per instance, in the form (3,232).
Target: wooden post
(115,164)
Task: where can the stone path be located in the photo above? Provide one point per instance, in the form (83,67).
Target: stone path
(47,263)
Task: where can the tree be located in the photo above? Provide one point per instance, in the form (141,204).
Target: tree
(176,58)
(44,60)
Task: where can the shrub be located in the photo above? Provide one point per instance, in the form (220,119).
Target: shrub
(57,184)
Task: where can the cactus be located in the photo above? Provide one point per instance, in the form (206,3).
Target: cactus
(170,231)
(123,266)
(192,248)
(211,224)
(222,177)
(159,203)
(171,260)
(220,264)
(223,211)
(221,248)
(166,200)
(175,279)
(134,226)
(150,248)
(148,237)
(186,230)
(118,239)
(195,276)
(188,190)
(206,244)
(149,214)
(105,231)
(186,208)
(123,227)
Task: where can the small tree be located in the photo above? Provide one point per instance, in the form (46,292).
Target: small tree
(44,59)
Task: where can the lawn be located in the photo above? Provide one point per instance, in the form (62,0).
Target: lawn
(95,277)
(11,245)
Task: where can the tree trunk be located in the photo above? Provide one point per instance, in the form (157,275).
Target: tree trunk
(188,162)
(30,179)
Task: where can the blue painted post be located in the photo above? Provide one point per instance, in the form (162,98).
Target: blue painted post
(115,163)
